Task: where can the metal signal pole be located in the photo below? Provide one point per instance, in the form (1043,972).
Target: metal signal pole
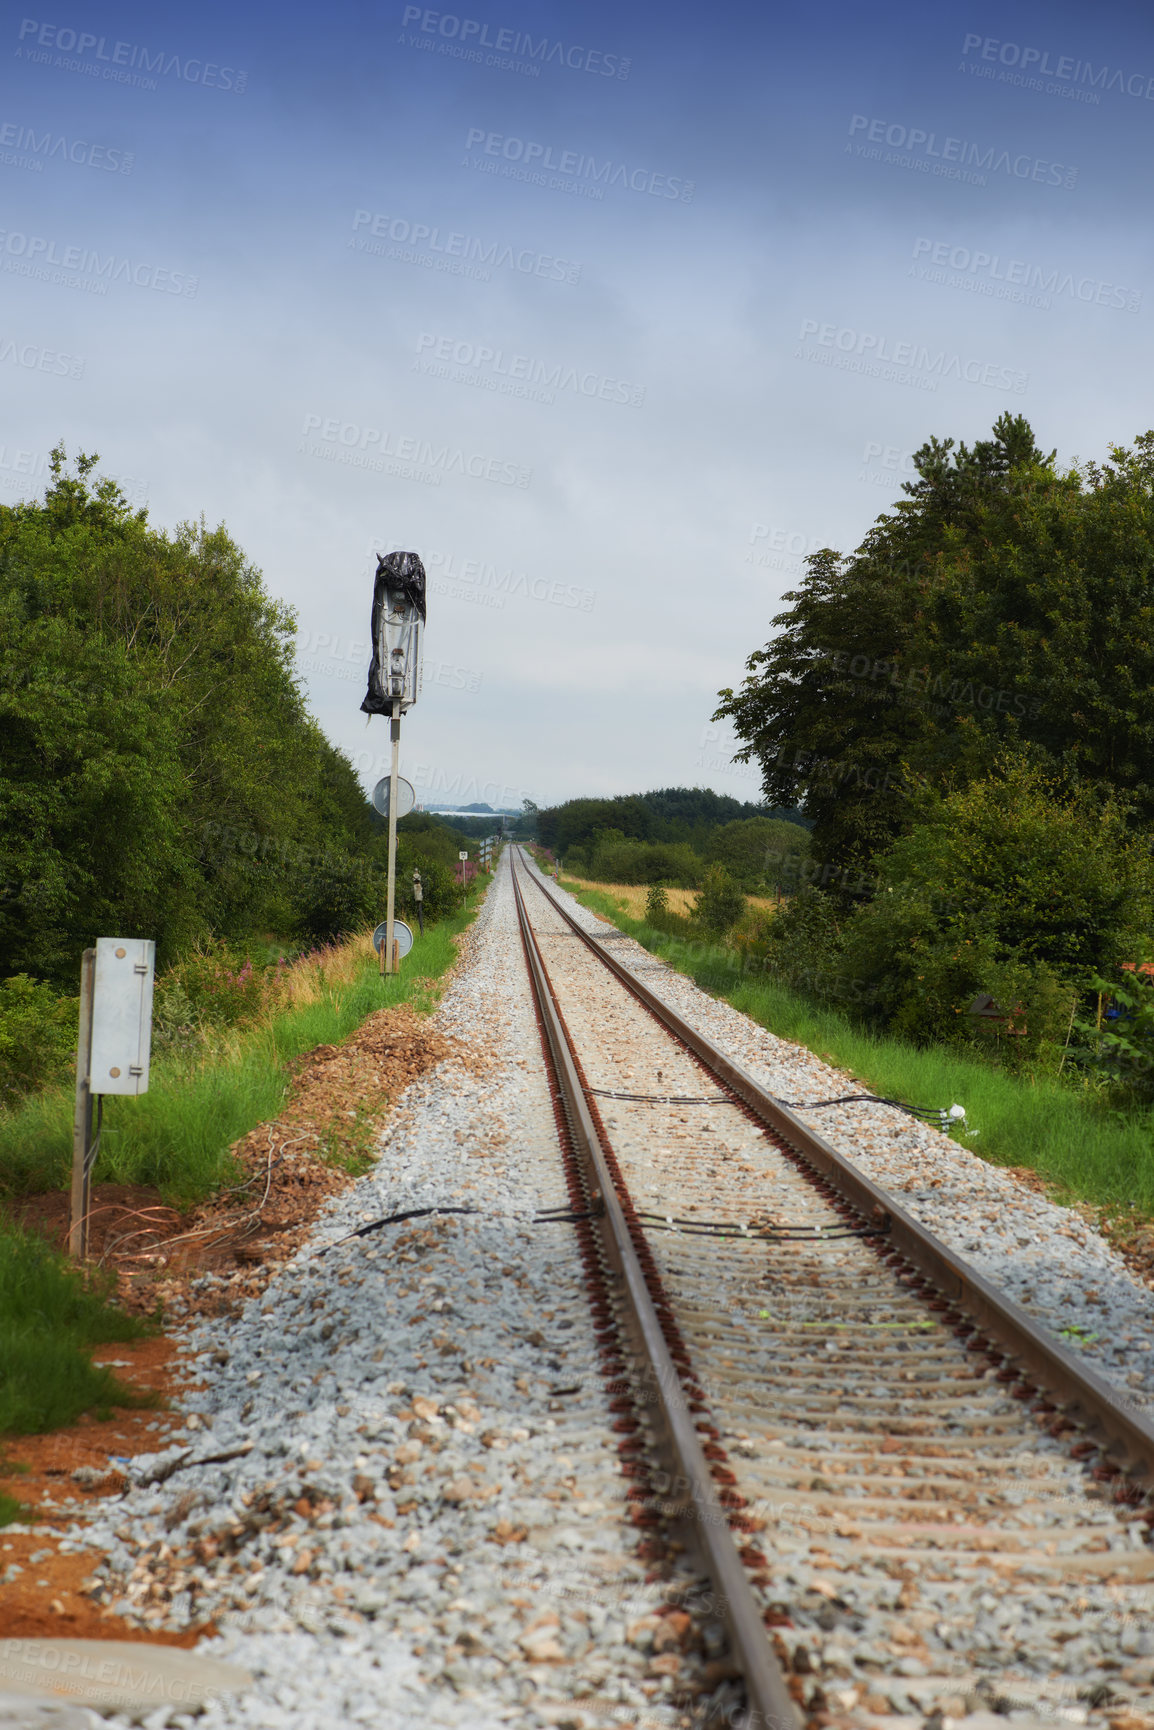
(394,776)
(394,685)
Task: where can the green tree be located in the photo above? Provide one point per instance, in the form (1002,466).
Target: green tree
(755,848)
(160,775)
(869,683)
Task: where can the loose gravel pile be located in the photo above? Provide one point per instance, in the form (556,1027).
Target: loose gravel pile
(398,1491)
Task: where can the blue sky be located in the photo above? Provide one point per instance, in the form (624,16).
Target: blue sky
(611,314)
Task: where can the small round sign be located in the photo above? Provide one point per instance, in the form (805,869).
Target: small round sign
(402,936)
(406,796)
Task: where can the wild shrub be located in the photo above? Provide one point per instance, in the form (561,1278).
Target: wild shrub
(720,903)
(1014,887)
(656,903)
(217,985)
(801,944)
(1115,1043)
(37,1036)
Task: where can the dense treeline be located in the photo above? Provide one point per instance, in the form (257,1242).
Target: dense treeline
(160,774)
(672,836)
(964,707)
(688,814)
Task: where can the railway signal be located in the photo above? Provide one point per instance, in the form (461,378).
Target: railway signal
(394,685)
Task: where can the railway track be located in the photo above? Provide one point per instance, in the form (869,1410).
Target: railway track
(908,1495)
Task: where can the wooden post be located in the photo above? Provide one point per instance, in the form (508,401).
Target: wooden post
(82,1117)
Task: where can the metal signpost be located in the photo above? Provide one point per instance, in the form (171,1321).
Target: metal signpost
(382,796)
(112,1053)
(402,941)
(394,685)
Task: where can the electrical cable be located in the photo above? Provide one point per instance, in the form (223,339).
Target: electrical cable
(934,1114)
(392,1219)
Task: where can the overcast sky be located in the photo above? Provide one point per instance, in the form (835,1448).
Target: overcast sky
(609,313)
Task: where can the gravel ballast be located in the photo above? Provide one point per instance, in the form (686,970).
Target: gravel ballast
(422,1521)
(1043,1256)
(421,1517)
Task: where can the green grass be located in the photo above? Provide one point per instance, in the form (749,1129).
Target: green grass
(1061,1131)
(51,1315)
(177,1135)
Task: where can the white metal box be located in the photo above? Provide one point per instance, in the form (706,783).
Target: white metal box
(122,1014)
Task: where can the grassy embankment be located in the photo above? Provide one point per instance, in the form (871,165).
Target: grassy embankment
(1055,1128)
(176,1137)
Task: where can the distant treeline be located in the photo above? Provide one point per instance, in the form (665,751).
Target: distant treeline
(160,774)
(671,836)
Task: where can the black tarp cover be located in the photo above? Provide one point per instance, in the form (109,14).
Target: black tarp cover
(402,571)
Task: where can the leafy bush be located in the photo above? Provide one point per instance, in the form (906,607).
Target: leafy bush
(751,936)
(217,985)
(1015,887)
(149,698)
(656,903)
(37,1036)
(800,944)
(1118,1047)
(721,903)
(338,896)
(442,893)
(613,858)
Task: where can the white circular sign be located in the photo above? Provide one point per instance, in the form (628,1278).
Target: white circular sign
(402,936)
(406,796)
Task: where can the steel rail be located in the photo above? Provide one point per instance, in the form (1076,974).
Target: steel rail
(1124,1434)
(769,1704)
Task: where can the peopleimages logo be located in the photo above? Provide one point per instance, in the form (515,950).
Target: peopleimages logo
(892,460)
(989,274)
(123,61)
(378,450)
(785,547)
(76,150)
(872,351)
(955,158)
(81,267)
(460,254)
(481,365)
(470,35)
(36,358)
(532,160)
(1035,62)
